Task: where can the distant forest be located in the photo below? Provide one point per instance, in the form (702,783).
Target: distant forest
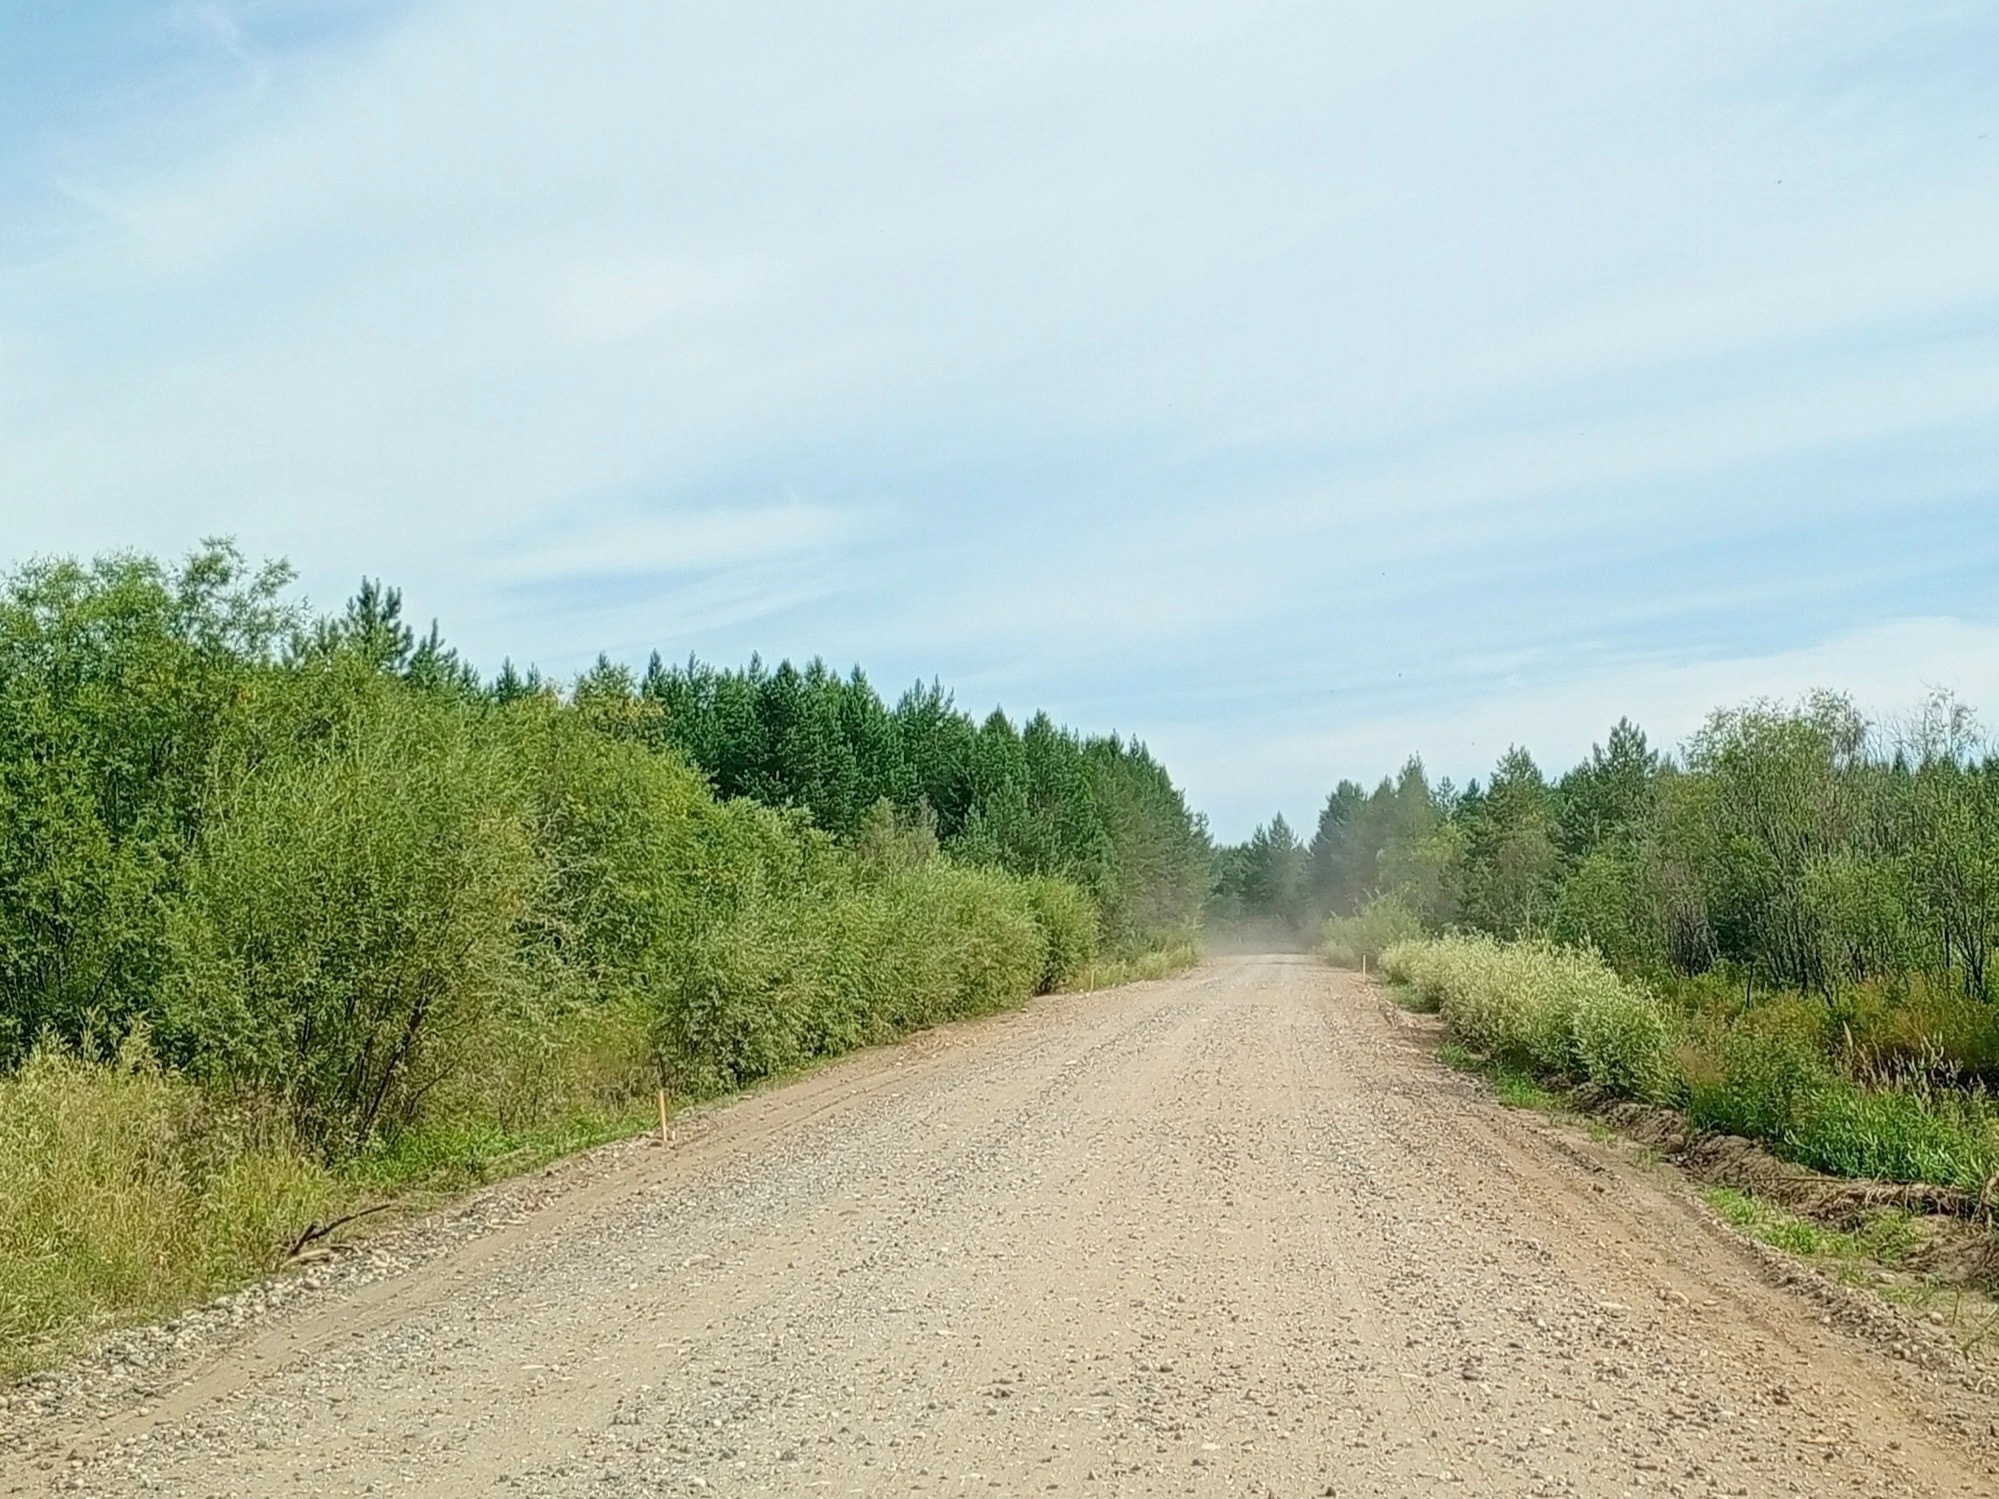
(1797,847)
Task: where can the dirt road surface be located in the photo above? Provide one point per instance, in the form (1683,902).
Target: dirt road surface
(1235,1233)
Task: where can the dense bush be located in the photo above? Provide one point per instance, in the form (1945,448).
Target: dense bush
(355,918)
(1068,923)
(1766,1076)
(1034,800)
(376,919)
(1380,923)
(1794,848)
(1549,1009)
(337,874)
(803,963)
(117,680)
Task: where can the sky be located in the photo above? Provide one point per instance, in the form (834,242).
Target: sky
(1293,386)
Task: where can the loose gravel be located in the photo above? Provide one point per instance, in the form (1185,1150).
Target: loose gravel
(1234,1233)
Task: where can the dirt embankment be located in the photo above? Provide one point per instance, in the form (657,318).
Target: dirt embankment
(1230,1233)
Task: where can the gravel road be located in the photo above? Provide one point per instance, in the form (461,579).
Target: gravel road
(1234,1233)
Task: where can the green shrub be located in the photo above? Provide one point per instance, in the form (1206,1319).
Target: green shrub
(1622,1043)
(1399,961)
(1163,959)
(1460,1058)
(1068,921)
(1764,1074)
(998,951)
(640,859)
(1607,905)
(352,927)
(1754,1082)
(802,950)
(453,1153)
(1519,1090)
(117,680)
(1767,1074)
(1549,1009)
(1380,924)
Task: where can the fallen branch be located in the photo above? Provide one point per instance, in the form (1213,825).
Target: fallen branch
(314,1232)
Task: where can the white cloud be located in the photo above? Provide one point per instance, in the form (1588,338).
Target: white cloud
(604,298)
(1146,358)
(640,543)
(1247,771)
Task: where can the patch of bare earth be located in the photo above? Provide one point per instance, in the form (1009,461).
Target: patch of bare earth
(1230,1233)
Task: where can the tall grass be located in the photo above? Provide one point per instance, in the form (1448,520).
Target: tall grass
(125,1191)
(1169,956)
(1544,1008)
(1767,1072)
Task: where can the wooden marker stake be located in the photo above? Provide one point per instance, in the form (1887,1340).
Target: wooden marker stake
(662,1116)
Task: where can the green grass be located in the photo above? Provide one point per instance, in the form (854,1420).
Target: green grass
(1896,1135)
(1771,1083)
(1514,1088)
(1461,1058)
(1888,1237)
(1517,1090)
(459,1156)
(1407,996)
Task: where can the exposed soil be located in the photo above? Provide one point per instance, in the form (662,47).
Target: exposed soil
(1235,1232)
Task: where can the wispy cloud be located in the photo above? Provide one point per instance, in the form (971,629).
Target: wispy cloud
(218,22)
(651,543)
(1249,770)
(1237,373)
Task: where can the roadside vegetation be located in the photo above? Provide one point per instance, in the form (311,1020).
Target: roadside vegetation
(298,911)
(1773,1076)
(1786,930)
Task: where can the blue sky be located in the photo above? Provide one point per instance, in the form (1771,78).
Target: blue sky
(1295,386)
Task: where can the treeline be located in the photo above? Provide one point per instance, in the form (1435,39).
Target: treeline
(1793,848)
(301,850)
(1037,799)
(310,895)
(1786,929)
